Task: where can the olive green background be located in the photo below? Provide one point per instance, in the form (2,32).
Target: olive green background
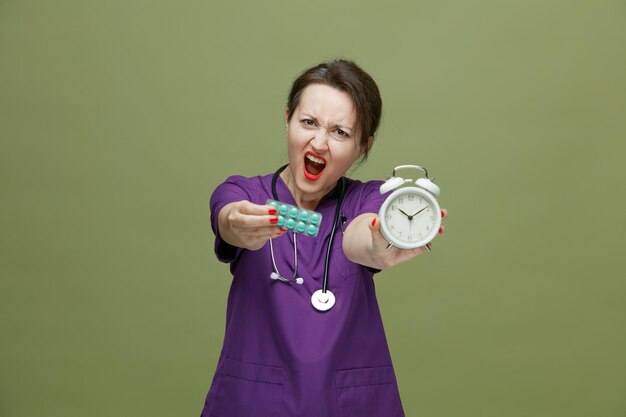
(118,119)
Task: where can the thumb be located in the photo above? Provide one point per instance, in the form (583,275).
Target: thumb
(379,244)
(374,225)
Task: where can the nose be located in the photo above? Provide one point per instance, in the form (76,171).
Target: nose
(319,142)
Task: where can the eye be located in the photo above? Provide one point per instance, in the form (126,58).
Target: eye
(342,133)
(308,122)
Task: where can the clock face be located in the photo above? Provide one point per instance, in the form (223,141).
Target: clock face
(410,218)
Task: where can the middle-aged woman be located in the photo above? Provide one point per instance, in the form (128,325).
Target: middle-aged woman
(280,355)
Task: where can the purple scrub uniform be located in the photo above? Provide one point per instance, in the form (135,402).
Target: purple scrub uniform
(283,358)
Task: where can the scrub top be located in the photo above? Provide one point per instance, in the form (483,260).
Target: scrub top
(280,356)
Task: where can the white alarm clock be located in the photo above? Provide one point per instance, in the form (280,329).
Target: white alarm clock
(410,216)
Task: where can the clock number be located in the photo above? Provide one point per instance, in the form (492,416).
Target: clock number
(409,238)
(401,200)
(411,197)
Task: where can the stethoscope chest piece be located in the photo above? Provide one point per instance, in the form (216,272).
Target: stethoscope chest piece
(323,301)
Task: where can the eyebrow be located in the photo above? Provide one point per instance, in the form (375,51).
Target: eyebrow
(316,122)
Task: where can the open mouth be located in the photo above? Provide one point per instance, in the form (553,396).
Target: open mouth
(313,166)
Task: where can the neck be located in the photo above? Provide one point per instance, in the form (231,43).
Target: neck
(304,200)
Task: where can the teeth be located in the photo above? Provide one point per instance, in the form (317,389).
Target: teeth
(314,159)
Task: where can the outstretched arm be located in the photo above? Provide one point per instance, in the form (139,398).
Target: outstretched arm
(364,244)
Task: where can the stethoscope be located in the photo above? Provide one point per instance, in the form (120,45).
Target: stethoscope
(322,299)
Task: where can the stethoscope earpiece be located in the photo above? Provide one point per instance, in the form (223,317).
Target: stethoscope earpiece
(275,276)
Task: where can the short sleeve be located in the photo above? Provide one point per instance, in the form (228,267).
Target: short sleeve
(370,198)
(227,192)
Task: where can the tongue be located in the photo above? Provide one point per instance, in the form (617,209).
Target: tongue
(313,168)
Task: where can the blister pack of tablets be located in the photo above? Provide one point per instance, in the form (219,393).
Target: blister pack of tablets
(296,219)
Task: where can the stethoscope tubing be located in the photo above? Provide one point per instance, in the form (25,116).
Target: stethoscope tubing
(342,185)
(332,234)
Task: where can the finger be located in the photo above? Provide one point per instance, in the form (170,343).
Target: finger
(252,221)
(441,230)
(262,232)
(280,232)
(422,249)
(404,255)
(274,233)
(417,251)
(444,213)
(246,207)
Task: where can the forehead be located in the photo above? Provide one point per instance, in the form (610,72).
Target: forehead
(327,104)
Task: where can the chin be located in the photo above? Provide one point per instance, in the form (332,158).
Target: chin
(308,187)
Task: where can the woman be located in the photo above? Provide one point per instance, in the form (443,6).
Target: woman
(281,356)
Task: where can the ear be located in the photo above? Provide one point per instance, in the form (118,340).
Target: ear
(286,117)
(370,141)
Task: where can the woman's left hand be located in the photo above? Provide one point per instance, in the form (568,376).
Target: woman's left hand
(386,257)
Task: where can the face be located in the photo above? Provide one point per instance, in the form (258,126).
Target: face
(322,141)
(410,218)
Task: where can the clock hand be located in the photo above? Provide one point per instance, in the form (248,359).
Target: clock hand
(419,212)
(402,211)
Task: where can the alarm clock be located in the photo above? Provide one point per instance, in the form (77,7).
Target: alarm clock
(410,217)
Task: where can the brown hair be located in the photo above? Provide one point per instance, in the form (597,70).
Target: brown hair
(345,76)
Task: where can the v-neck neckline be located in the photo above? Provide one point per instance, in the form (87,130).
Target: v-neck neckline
(286,191)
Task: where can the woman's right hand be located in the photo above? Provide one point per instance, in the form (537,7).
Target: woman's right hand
(247,225)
